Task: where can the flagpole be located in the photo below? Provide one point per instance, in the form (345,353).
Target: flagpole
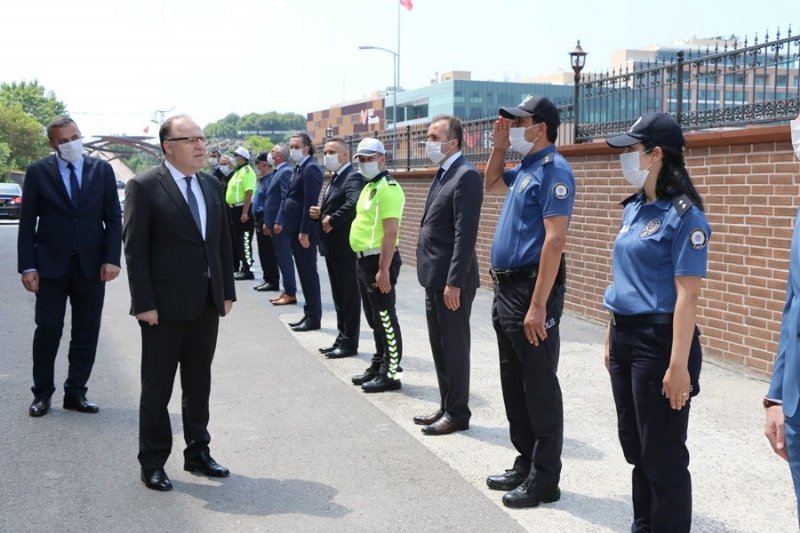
(396,83)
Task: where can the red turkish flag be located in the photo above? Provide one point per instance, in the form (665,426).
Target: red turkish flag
(146,130)
(407,4)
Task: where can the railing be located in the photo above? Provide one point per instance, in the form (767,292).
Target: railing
(754,84)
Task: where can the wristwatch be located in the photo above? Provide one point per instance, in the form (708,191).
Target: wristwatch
(770,403)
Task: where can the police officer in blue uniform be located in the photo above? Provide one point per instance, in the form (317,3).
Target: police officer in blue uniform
(653,350)
(528,273)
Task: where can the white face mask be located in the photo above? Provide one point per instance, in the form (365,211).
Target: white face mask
(433,149)
(795,125)
(296,154)
(518,142)
(369,169)
(331,162)
(214,162)
(630,169)
(270,160)
(71,151)
(225,169)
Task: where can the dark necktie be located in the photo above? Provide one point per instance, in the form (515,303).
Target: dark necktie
(330,185)
(437,181)
(192,201)
(74,188)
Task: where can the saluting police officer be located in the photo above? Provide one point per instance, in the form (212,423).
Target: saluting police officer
(528,273)
(653,347)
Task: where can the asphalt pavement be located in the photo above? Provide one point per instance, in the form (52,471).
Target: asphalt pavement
(308,451)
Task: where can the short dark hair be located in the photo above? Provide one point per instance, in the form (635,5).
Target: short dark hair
(306,141)
(454,128)
(552,130)
(166,126)
(338,140)
(60,121)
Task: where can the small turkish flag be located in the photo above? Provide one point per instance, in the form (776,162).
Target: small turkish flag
(407,4)
(146,130)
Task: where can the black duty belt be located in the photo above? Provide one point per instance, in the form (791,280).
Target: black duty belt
(641,320)
(507,276)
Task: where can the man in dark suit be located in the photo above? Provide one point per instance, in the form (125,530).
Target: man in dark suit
(68,246)
(336,215)
(295,220)
(274,198)
(266,248)
(448,269)
(177,249)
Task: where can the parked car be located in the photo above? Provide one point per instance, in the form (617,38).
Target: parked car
(10,200)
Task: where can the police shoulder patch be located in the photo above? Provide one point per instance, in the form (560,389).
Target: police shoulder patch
(698,238)
(650,228)
(561,190)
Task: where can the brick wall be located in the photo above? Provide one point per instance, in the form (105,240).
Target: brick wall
(750,183)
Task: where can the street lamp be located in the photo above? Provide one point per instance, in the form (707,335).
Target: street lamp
(578,59)
(396,57)
(329,132)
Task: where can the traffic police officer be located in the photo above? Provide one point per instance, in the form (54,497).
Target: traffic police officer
(653,348)
(374,235)
(528,273)
(239,196)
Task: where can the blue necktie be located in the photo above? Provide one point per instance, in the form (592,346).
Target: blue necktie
(74,188)
(192,201)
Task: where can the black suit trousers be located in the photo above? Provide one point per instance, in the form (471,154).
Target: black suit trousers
(531,391)
(86,298)
(189,344)
(449,335)
(346,301)
(379,309)
(267,257)
(305,259)
(242,239)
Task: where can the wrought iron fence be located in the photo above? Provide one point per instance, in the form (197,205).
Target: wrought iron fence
(735,86)
(732,87)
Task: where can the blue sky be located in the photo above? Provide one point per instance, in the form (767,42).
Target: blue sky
(115,64)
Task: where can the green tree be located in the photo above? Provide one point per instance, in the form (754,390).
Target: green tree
(23,135)
(279,126)
(5,157)
(39,103)
(257,144)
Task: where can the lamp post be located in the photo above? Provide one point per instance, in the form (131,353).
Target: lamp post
(396,58)
(578,59)
(329,132)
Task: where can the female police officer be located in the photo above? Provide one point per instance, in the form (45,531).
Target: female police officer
(652,347)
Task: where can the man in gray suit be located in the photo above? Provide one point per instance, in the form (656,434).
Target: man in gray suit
(448,269)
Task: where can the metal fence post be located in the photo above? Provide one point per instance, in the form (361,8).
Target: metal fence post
(408,147)
(679,106)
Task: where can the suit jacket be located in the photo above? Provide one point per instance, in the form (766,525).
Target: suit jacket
(449,229)
(339,201)
(276,194)
(302,193)
(785,385)
(51,229)
(169,263)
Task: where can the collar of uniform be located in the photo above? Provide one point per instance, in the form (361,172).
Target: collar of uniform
(535,157)
(660,203)
(380,175)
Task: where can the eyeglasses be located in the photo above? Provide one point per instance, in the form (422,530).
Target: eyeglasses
(190,140)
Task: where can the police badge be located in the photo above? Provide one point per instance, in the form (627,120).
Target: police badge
(650,228)
(526,180)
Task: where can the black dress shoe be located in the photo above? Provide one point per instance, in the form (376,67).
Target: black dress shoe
(328,349)
(156,480)
(40,406)
(368,375)
(258,287)
(508,480)
(423,420)
(267,287)
(80,403)
(204,463)
(306,326)
(381,383)
(245,274)
(340,352)
(529,494)
(445,426)
(295,324)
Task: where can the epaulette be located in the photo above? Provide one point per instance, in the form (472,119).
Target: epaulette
(682,204)
(629,199)
(549,158)
(390,180)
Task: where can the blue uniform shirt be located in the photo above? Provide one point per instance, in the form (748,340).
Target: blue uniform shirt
(260,196)
(654,246)
(541,186)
